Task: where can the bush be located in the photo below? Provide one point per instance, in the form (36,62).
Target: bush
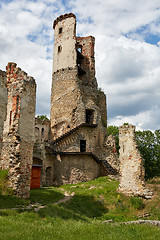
(137,203)
(42,117)
(4,185)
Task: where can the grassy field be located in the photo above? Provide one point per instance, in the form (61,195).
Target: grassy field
(83,216)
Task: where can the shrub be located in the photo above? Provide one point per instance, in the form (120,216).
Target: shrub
(4,185)
(137,203)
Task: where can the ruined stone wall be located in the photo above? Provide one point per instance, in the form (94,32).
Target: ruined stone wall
(71,169)
(131,163)
(40,156)
(85,46)
(3,104)
(18,134)
(101,102)
(111,156)
(42,130)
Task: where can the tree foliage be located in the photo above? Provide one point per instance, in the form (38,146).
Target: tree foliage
(42,117)
(149,145)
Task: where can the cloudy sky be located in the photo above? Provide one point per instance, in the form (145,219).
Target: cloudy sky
(127,51)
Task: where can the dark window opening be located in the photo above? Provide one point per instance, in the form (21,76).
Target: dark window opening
(79,48)
(60,30)
(59,49)
(17,105)
(10,118)
(42,133)
(82,145)
(89,116)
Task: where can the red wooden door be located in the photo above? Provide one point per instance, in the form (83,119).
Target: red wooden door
(36,177)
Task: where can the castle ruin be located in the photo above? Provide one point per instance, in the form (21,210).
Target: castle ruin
(75,148)
(73,145)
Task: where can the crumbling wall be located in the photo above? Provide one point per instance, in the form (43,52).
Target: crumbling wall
(3,104)
(112,160)
(131,163)
(18,134)
(42,130)
(86,60)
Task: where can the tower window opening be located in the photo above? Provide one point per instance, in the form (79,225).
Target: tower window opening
(60,30)
(10,118)
(59,49)
(79,48)
(42,133)
(89,116)
(82,145)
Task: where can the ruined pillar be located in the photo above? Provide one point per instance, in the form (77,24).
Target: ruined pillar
(3,104)
(18,134)
(131,164)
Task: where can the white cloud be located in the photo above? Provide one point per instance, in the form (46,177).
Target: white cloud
(127,67)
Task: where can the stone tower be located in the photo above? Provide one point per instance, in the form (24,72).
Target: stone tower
(78,108)
(75,98)
(18,134)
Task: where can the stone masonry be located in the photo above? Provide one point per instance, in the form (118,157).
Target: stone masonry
(74,86)
(131,164)
(78,108)
(18,134)
(3,104)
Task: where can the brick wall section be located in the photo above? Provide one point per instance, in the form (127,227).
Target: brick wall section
(131,163)
(18,134)
(3,104)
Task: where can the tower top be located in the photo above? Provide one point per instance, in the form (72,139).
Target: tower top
(62,17)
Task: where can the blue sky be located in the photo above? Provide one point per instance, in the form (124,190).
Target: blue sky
(127,51)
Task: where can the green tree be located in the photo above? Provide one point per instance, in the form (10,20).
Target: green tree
(42,117)
(149,147)
(145,142)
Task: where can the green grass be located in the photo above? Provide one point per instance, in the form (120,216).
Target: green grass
(28,226)
(82,217)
